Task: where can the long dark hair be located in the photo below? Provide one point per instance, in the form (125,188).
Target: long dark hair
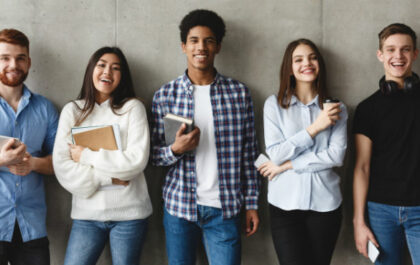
(288,81)
(122,93)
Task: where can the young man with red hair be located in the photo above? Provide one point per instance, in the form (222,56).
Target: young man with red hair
(33,120)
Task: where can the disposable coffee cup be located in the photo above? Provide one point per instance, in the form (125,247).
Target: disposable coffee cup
(328,102)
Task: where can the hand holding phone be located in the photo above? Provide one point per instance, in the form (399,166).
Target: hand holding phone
(261,160)
(373,251)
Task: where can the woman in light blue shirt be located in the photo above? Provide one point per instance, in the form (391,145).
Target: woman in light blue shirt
(304,139)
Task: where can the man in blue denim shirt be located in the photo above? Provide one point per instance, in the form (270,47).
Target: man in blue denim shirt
(33,120)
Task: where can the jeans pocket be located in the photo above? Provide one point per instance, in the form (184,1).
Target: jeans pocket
(175,224)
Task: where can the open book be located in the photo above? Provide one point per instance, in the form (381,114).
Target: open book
(99,137)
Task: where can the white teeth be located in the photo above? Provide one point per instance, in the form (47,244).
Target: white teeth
(201,56)
(397,64)
(106,80)
(13,72)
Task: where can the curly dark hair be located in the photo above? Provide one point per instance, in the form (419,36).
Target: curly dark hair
(202,17)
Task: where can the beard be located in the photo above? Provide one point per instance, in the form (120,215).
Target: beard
(15,81)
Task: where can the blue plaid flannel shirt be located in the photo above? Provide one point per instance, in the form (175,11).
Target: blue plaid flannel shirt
(235,143)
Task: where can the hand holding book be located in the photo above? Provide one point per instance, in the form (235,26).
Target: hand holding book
(96,137)
(76,152)
(185,142)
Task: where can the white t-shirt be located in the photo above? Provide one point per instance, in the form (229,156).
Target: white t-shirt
(206,153)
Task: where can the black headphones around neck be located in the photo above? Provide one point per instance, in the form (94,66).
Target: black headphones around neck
(389,87)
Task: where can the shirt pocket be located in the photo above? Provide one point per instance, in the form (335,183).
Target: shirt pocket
(34,135)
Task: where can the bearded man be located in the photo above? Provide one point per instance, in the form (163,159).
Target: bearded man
(32,119)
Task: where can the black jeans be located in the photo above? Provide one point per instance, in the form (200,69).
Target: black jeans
(34,252)
(304,237)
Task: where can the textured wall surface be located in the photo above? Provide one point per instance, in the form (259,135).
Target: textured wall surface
(64,34)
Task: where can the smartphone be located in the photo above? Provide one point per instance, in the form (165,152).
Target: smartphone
(373,251)
(5,139)
(261,160)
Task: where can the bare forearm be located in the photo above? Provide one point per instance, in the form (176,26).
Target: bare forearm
(360,190)
(361,177)
(42,165)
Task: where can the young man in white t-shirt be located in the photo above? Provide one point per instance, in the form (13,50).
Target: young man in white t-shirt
(211,171)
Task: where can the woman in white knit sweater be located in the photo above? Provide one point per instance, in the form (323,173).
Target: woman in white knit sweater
(110,197)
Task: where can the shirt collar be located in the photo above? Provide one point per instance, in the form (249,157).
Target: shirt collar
(295,100)
(189,86)
(24,100)
(26,93)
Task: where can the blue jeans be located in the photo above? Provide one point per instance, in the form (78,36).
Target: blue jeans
(88,239)
(221,237)
(393,226)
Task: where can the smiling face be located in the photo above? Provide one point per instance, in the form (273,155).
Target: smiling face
(106,76)
(305,66)
(201,48)
(14,64)
(397,55)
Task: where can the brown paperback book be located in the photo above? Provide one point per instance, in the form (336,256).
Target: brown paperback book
(97,138)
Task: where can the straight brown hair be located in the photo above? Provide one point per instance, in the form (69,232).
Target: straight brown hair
(288,81)
(396,28)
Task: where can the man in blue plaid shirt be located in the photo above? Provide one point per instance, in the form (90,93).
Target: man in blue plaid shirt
(211,174)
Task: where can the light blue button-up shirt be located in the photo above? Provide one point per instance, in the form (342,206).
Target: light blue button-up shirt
(311,184)
(22,198)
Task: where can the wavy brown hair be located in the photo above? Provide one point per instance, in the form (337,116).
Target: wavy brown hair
(122,93)
(288,81)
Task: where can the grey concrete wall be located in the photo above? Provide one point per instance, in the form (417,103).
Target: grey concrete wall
(64,34)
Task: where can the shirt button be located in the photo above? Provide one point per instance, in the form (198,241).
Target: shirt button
(193,190)
(17,184)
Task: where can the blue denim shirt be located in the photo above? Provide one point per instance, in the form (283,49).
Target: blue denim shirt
(311,184)
(22,198)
